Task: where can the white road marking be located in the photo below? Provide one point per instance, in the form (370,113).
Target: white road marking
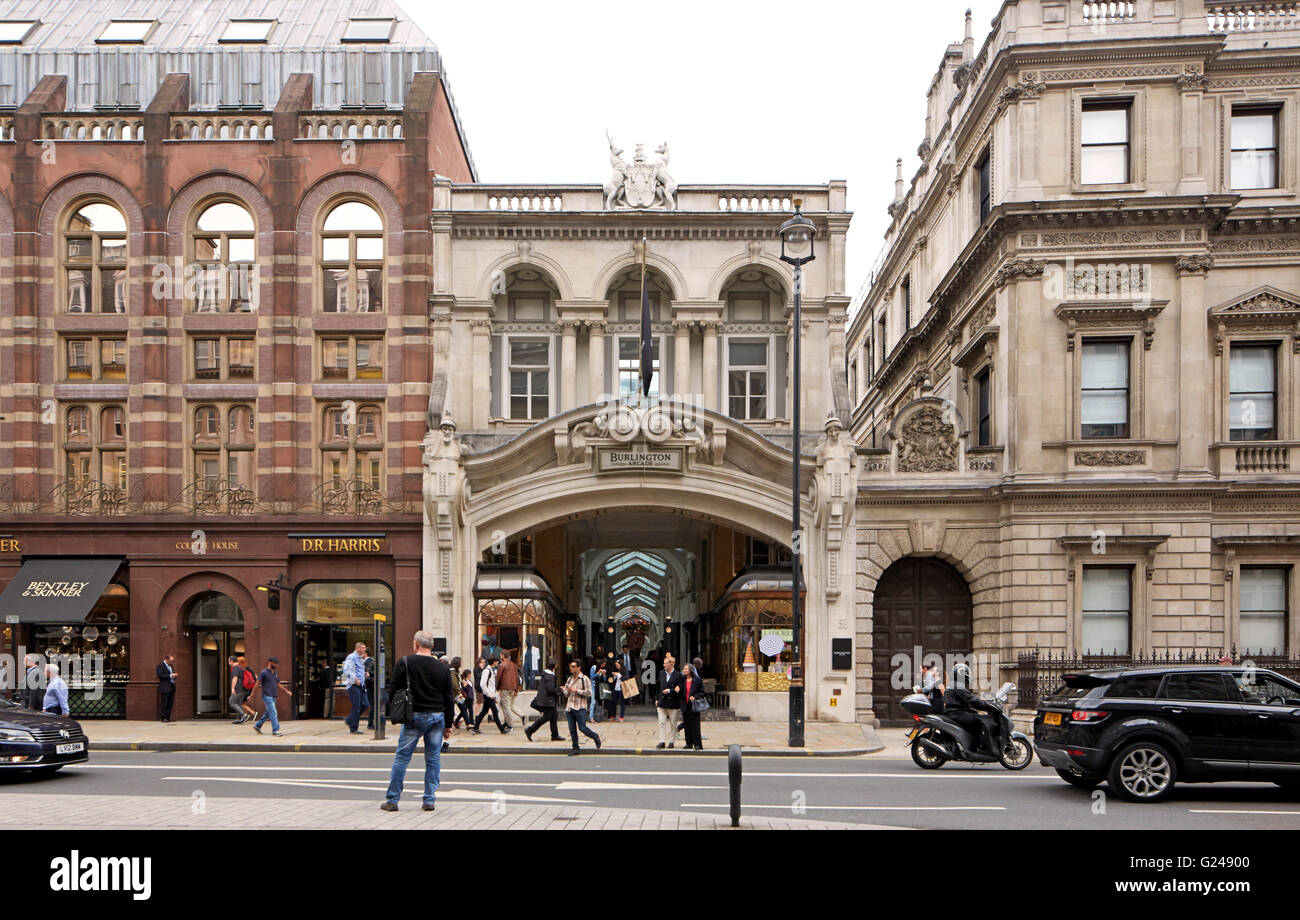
(790,808)
(442,793)
(573,785)
(1238,811)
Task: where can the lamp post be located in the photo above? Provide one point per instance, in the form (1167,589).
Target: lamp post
(796,249)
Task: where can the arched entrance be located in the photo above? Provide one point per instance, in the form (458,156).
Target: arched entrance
(216,625)
(921,604)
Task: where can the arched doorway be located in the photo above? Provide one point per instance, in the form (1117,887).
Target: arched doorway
(216,624)
(920,603)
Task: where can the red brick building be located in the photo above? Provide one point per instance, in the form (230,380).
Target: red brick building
(214,333)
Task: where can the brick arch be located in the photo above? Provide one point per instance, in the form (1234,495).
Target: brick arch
(310,215)
(220,184)
(56,204)
(171,609)
(960,547)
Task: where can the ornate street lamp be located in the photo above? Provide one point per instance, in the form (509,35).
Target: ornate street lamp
(797,249)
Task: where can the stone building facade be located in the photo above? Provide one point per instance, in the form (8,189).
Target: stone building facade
(1074,366)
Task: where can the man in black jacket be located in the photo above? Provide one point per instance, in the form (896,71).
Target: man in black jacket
(433,700)
(33,695)
(668,704)
(548,697)
(166,688)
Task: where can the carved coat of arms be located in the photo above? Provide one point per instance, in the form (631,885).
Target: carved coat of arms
(927,443)
(643,183)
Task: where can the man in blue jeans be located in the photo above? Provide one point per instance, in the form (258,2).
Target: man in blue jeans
(269,680)
(433,699)
(354,678)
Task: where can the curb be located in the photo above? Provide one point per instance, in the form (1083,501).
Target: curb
(385,748)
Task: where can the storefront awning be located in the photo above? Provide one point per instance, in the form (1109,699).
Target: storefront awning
(60,589)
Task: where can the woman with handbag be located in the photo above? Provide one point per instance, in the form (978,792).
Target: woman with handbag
(693,703)
(617,704)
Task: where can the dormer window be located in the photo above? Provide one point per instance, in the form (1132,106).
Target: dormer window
(242,31)
(126,31)
(369,30)
(16,31)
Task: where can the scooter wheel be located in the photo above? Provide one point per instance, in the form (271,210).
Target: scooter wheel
(1017,754)
(925,758)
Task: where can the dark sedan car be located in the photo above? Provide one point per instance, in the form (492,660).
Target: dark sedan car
(1141,730)
(37,741)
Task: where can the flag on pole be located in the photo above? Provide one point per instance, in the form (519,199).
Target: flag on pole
(647,343)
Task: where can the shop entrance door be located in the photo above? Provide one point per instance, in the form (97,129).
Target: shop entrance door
(212,651)
(319,654)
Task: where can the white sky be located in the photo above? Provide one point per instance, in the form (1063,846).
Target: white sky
(723,81)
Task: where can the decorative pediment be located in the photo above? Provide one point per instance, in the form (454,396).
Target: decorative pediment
(1265,309)
(1109,316)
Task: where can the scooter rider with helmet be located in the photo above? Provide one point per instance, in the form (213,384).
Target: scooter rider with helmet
(962,706)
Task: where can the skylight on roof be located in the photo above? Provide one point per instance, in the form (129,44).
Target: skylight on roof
(124,31)
(247,30)
(16,31)
(369,30)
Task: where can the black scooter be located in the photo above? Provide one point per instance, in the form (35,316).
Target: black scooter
(937,739)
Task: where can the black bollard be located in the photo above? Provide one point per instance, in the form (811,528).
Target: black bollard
(733,774)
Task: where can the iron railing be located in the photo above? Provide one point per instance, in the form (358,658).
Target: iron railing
(1040,672)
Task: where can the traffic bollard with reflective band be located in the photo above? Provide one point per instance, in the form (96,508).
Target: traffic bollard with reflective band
(733,774)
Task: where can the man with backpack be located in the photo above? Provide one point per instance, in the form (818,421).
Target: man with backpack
(242,682)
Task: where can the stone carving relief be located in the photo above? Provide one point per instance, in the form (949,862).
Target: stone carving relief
(1110,457)
(655,424)
(836,491)
(442,495)
(643,183)
(927,441)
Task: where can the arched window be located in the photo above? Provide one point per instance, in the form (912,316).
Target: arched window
(222,246)
(94,259)
(352,448)
(352,259)
(223,455)
(95,451)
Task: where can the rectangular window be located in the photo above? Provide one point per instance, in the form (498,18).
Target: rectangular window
(1107,610)
(1254,147)
(368,30)
(984,186)
(15,31)
(905,297)
(79,360)
(747,378)
(983,408)
(1252,393)
(240,352)
(529,373)
(207,358)
(1104,400)
(629,369)
(334,358)
(882,337)
(370,359)
(1263,609)
(853,380)
(125,31)
(1104,157)
(112,359)
(247,30)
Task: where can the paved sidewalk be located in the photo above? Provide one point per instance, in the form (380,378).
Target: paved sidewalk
(635,736)
(149,812)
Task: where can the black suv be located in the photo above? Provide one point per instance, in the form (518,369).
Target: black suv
(1143,729)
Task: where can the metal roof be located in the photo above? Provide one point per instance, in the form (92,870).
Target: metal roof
(307,38)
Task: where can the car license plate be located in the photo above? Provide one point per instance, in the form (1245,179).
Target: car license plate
(75,748)
(1051,718)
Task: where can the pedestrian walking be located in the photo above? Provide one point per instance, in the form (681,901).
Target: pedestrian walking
(545,703)
(242,681)
(56,692)
(429,682)
(692,690)
(591,665)
(508,688)
(627,665)
(617,705)
(488,684)
(166,688)
(33,693)
(354,678)
(577,696)
(668,703)
(269,680)
(466,700)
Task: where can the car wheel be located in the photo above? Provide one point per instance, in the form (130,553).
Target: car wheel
(1017,755)
(925,758)
(1082,780)
(1143,772)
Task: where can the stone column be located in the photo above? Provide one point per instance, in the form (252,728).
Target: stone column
(568,358)
(681,357)
(596,358)
(481,352)
(710,364)
(1193,369)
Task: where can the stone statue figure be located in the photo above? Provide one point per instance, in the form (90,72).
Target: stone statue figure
(643,183)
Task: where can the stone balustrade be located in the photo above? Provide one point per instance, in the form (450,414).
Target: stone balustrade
(214,127)
(524,200)
(1099,12)
(92,127)
(350,126)
(1252,16)
(1271,458)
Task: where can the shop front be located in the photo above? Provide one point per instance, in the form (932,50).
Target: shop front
(74,612)
(517,612)
(751,628)
(330,618)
